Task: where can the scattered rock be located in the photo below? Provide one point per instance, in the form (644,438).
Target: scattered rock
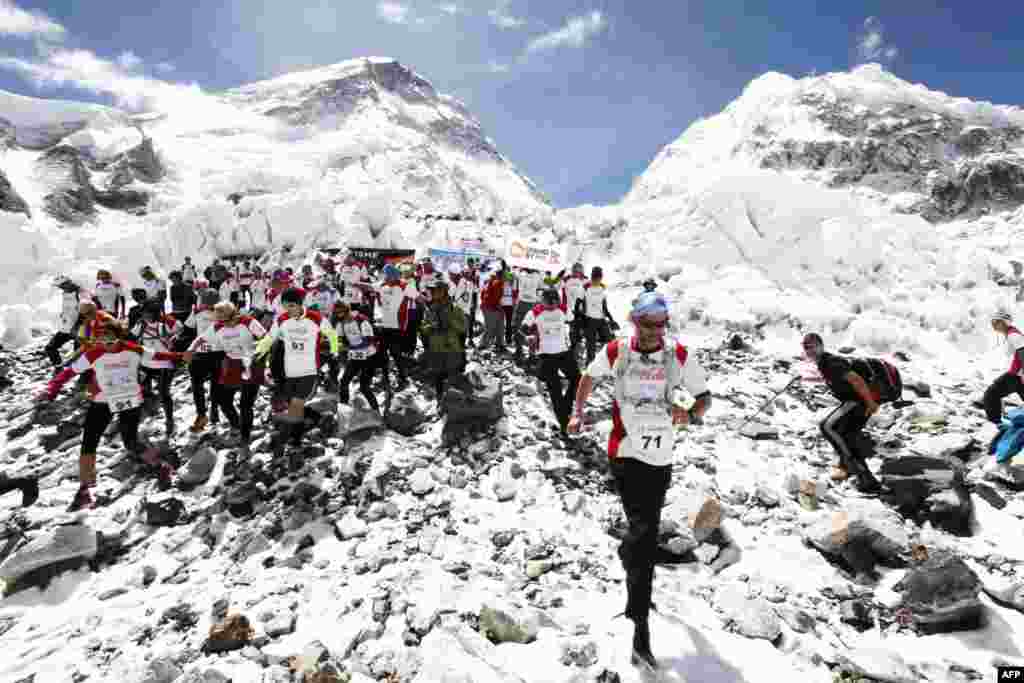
(198,468)
(10,200)
(942,594)
(421,482)
(929,489)
(877,664)
(350,527)
(861,537)
(1011,595)
(160,670)
(857,614)
(499,626)
(759,432)
(750,617)
(231,634)
(74,541)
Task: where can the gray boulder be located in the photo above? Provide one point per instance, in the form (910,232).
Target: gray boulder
(199,467)
(932,489)
(139,163)
(1010,595)
(942,594)
(508,626)
(405,417)
(358,417)
(63,543)
(860,537)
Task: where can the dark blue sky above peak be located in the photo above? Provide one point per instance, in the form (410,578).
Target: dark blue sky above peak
(580,95)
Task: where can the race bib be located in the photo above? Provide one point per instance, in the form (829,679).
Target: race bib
(298,346)
(652,436)
(121,405)
(120,387)
(361,354)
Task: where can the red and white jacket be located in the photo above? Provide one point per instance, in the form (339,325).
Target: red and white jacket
(396,299)
(158,337)
(691,377)
(238,342)
(301,337)
(115,379)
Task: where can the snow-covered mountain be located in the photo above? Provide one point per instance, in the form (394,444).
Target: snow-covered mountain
(855,203)
(364,149)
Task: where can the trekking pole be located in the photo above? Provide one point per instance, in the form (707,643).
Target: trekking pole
(765,405)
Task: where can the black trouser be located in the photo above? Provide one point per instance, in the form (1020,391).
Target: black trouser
(226,394)
(204,367)
(391,343)
(412,332)
(181,316)
(8,484)
(163,377)
(642,490)
(53,347)
(842,428)
(508,311)
(245,295)
(471,320)
(1005,385)
(596,331)
(98,418)
(522,308)
(364,370)
(551,364)
(576,334)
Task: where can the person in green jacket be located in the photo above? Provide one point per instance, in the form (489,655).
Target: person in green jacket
(443,327)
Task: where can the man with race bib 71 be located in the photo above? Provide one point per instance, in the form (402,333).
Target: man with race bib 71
(646,368)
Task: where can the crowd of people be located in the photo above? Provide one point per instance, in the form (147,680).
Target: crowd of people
(241,330)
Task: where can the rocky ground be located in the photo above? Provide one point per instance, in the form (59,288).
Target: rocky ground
(391,557)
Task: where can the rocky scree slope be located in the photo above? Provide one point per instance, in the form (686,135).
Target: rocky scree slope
(389,558)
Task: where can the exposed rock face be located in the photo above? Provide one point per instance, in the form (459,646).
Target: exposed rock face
(8,135)
(72,198)
(10,200)
(139,163)
(958,169)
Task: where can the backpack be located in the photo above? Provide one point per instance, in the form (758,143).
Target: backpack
(881,376)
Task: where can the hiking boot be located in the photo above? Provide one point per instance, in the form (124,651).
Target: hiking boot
(199,425)
(840,473)
(82,501)
(642,655)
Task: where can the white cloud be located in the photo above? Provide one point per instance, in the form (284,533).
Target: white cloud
(503,18)
(497,68)
(392,12)
(128,60)
(871,45)
(449,8)
(15,21)
(576,32)
(165,67)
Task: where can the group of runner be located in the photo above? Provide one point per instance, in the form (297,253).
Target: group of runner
(293,331)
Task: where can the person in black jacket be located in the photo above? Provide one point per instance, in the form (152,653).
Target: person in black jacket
(183,297)
(842,428)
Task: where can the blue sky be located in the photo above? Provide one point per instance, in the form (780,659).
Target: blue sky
(579,94)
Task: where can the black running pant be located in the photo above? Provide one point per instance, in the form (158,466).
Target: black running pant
(391,342)
(204,367)
(97,419)
(249,393)
(508,311)
(597,332)
(551,365)
(642,490)
(842,428)
(53,347)
(163,377)
(1005,385)
(364,370)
